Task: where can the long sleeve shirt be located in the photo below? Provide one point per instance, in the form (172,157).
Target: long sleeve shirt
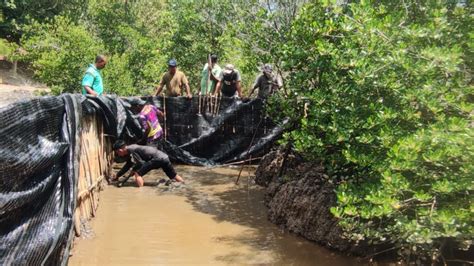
(138,155)
(148,118)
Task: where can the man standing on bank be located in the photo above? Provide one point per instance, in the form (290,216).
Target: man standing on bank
(267,83)
(229,82)
(210,76)
(92,80)
(143,159)
(174,80)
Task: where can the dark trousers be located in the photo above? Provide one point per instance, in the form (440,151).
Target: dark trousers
(156,163)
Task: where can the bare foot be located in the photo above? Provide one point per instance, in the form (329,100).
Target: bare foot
(179,179)
(139,180)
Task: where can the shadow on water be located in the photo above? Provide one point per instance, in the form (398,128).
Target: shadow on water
(213,192)
(209,220)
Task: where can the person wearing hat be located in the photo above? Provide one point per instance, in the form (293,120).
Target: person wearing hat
(267,83)
(210,76)
(142,159)
(174,80)
(148,116)
(229,82)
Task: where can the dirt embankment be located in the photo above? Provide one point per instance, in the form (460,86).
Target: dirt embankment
(16,85)
(301,199)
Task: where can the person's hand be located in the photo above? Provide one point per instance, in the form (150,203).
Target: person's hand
(113,177)
(189,96)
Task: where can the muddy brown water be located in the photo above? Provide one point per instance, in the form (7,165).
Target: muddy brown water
(208,221)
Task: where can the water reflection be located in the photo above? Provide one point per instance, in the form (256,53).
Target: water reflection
(207,221)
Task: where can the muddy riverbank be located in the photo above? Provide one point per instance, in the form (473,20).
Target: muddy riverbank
(208,221)
(299,200)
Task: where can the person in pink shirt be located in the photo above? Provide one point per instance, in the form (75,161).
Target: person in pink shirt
(148,116)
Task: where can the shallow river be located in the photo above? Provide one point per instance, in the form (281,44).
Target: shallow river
(208,221)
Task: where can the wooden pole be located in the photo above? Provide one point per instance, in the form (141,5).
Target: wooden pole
(164,109)
(199,108)
(248,150)
(209,69)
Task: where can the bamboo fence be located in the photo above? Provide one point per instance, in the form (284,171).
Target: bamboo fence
(94,165)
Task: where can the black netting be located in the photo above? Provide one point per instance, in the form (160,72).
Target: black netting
(193,138)
(39,151)
(38,158)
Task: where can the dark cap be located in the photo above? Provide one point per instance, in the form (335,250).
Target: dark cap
(172,63)
(118,144)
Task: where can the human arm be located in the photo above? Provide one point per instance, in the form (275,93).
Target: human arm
(90,91)
(220,77)
(238,84)
(217,91)
(214,75)
(145,127)
(239,88)
(188,91)
(159,88)
(159,114)
(125,168)
(255,86)
(184,80)
(87,82)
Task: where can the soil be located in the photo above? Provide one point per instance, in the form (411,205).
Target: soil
(18,86)
(301,199)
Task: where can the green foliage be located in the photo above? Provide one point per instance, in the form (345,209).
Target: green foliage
(145,34)
(7,48)
(390,114)
(60,52)
(117,78)
(381,91)
(127,34)
(17,13)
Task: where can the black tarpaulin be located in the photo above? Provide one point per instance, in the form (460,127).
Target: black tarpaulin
(38,179)
(39,149)
(204,138)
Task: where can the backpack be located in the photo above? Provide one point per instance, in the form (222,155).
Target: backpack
(229,84)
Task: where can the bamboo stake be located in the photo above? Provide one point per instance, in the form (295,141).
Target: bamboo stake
(219,105)
(77,223)
(164,109)
(215,105)
(209,65)
(199,108)
(237,163)
(218,102)
(248,150)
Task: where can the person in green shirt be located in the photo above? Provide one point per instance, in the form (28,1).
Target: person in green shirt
(92,81)
(208,83)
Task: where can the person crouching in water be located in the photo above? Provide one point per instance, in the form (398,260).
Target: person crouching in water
(143,159)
